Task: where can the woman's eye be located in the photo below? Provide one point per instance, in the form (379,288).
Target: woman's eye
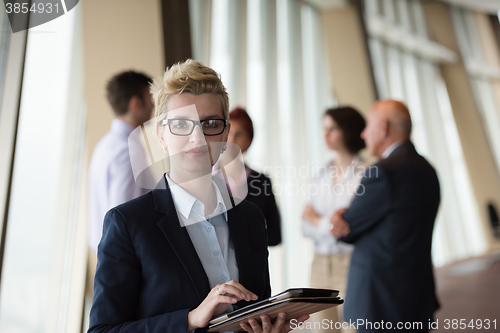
(210,123)
(180,123)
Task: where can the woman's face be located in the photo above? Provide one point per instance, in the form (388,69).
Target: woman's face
(239,135)
(334,137)
(194,152)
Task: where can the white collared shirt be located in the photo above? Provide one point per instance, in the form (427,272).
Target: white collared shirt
(209,235)
(111,179)
(326,198)
(391,148)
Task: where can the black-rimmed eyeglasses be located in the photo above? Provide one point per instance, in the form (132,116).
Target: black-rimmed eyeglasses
(184,127)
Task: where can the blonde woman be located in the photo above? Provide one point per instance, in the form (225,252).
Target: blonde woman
(176,257)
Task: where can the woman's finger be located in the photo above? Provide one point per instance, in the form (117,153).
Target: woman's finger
(266,324)
(255,326)
(244,291)
(219,299)
(246,327)
(280,322)
(233,291)
(242,288)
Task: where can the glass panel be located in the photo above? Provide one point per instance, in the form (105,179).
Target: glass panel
(5,32)
(404,76)
(470,48)
(317,88)
(372,7)
(36,276)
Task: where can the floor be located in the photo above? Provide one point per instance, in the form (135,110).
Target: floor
(468,290)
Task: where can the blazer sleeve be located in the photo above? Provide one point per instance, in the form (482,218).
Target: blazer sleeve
(370,205)
(117,284)
(260,193)
(273,219)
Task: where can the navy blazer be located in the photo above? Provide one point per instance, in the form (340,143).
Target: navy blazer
(391,274)
(148,273)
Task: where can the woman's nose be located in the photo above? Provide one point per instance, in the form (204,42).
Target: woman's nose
(197,136)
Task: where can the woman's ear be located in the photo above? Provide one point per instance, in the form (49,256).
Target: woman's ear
(161,140)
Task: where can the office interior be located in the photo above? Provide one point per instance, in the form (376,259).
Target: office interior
(286,62)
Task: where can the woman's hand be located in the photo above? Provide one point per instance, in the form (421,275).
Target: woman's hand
(311,215)
(216,302)
(281,325)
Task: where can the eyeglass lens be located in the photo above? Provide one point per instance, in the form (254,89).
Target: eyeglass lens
(185,126)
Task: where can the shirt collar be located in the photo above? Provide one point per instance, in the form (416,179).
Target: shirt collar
(391,148)
(186,204)
(122,127)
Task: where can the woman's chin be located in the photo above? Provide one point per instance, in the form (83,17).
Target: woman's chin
(199,165)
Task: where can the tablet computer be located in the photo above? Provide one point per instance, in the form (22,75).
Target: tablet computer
(293,307)
(303,294)
(289,293)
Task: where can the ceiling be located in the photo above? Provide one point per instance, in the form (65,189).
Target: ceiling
(488,6)
(328,4)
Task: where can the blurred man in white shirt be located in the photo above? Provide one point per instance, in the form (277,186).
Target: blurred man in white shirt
(111,180)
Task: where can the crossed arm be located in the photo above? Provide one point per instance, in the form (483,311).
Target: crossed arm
(368,208)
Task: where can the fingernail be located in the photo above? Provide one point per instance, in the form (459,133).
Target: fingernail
(243,296)
(234,300)
(254,296)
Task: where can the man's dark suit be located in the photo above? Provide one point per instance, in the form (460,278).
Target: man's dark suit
(391,274)
(149,275)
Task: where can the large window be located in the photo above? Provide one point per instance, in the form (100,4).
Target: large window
(4,42)
(405,64)
(271,59)
(482,75)
(42,283)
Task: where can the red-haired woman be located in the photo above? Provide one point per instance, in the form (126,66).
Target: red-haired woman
(259,185)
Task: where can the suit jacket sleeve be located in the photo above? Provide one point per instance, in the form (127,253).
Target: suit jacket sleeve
(117,284)
(370,205)
(273,220)
(260,193)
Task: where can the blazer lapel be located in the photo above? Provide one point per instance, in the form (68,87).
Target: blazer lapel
(179,239)
(238,230)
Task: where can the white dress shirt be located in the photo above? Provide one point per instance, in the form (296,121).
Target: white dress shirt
(209,235)
(391,148)
(327,197)
(111,180)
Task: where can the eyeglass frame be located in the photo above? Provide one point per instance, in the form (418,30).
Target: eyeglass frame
(195,123)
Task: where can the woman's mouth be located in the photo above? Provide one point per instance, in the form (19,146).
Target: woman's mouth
(197,152)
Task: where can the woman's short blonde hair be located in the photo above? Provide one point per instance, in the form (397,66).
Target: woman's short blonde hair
(188,77)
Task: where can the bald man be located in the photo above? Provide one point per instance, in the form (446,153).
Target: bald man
(390,221)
